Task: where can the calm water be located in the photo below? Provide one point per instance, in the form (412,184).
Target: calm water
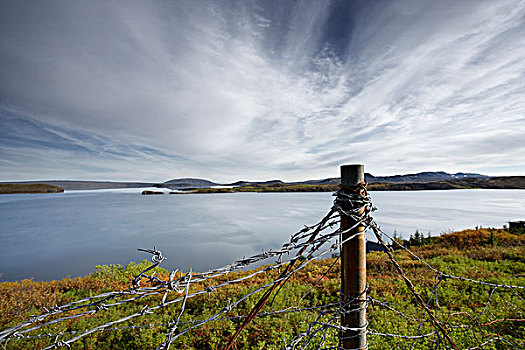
(49,236)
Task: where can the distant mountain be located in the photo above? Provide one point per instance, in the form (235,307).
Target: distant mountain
(427,176)
(188,182)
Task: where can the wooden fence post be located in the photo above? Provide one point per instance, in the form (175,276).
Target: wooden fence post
(353,269)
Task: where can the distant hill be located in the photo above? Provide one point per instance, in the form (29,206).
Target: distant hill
(328,181)
(423,177)
(188,182)
(251,183)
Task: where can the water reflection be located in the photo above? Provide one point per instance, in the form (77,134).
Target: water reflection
(52,236)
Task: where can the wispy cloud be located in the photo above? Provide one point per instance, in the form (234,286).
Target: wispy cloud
(261,89)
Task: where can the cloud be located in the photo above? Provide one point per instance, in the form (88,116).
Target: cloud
(258,89)
(45,148)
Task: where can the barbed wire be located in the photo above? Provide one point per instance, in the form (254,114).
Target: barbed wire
(311,243)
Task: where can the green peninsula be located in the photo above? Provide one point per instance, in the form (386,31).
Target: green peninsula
(29,188)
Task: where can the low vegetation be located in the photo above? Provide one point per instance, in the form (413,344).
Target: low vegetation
(147,192)
(494,255)
(507,182)
(29,188)
(277,187)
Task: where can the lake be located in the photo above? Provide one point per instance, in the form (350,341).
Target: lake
(50,236)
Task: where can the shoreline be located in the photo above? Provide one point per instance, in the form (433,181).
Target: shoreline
(374,186)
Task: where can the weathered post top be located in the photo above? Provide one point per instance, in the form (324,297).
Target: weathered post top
(353,174)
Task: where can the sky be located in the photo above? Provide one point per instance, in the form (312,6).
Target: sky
(258,90)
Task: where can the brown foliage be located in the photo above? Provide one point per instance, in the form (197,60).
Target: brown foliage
(19,298)
(468,238)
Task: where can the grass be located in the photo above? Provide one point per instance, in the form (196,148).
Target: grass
(486,254)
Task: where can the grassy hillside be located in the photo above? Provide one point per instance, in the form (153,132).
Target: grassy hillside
(490,255)
(29,188)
